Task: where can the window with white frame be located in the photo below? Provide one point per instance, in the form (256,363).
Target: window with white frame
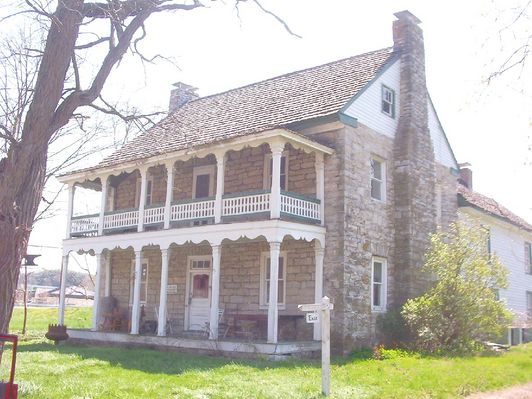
(265,280)
(378,178)
(268,167)
(143,282)
(528,257)
(378,284)
(149,191)
(529,303)
(388,101)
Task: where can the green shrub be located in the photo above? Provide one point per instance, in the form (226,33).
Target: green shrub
(462,308)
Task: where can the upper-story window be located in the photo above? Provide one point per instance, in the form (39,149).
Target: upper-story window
(268,166)
(528,257)
(378,178)
(149,191)
(388,101)
(203,183)
(378,284)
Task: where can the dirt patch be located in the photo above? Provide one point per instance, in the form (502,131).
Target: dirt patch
(516,392)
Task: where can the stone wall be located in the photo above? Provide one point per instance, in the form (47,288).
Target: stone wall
(244,171)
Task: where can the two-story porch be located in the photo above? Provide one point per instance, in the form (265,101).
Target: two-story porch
(221,243)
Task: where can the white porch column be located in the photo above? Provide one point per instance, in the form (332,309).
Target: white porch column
(275,206)
(320,185)
(142,199)
(70,208)
(215,292)
(62,290)
(169,193)
(107,260)
(103,202)
(220,177)
(273,312)
(318,288)
(135,310)
(161,322)
(97,288)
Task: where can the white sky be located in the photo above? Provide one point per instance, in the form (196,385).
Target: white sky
(488,126)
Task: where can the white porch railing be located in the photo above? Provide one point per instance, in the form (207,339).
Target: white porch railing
(297,205)
(233,205)
(154,215)
(199,209)
(120,220)
(245,204)
(85,225)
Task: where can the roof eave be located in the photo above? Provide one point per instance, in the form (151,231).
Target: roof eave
(199,151)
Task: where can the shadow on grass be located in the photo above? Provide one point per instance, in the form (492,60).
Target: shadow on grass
(158,362)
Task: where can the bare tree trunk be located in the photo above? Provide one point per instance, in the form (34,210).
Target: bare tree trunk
(23,171)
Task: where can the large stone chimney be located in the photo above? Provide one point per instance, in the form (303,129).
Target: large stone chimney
(414,164)
(181,95)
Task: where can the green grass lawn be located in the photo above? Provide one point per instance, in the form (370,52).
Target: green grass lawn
(68,371)
(39,318)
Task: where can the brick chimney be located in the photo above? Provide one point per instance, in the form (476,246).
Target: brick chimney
(414,164)
(466,175)
(181,95)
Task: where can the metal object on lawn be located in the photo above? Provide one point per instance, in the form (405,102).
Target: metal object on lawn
(56,333)
(29,261)
(9,390)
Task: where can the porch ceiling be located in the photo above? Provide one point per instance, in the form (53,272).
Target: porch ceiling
(233,144)
(272,230)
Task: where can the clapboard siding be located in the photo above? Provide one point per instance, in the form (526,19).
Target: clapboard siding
(507,242)
(442,151)
(367,106)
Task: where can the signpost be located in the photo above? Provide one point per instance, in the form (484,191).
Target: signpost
(321,312)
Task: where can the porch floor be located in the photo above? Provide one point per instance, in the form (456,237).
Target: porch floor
(227,347)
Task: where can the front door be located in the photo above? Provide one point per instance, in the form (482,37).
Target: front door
(199,295)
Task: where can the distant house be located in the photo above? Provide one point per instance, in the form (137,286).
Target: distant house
(239,206)
(74,296)
(510,238)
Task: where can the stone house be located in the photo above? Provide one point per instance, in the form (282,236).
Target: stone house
(325,181)
(510,238)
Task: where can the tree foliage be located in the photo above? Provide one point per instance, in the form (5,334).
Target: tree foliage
(462,308)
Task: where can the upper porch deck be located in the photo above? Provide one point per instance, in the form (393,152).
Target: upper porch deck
(272,176)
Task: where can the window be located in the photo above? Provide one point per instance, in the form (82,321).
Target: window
(529,303)
(265,280)
(378,179)
(149,191)
(388,101)
(143,282)
(378,285)
(203,181)
(268,166)
(528,258)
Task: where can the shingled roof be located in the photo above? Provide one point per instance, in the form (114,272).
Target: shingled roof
(276,102)
(466,197)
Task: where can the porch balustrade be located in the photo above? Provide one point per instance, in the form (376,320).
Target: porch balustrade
(239,204)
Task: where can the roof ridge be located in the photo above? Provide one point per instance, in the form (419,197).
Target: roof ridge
(390,48)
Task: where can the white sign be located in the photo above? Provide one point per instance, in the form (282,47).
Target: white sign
(312,317)
(171,289)
(324,307)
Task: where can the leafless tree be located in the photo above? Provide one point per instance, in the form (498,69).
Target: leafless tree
(55,97)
